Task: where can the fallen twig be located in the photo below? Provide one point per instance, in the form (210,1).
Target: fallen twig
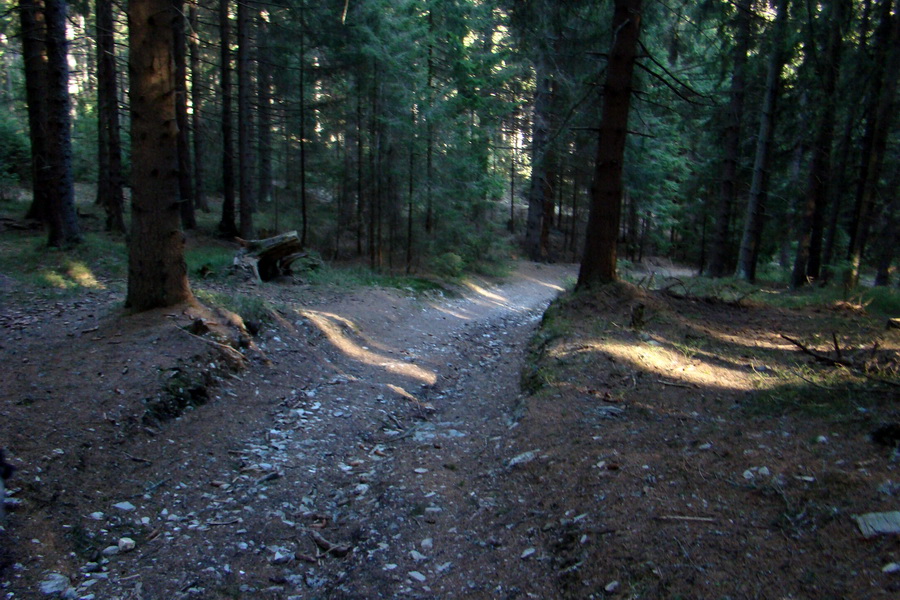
(820,357)
(674,384)
(339,550)
(138,459)
(685,518)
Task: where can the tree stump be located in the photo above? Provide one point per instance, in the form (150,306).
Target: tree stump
(272,257)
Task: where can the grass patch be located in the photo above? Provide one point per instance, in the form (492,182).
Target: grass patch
(209,261)
(250,308)
(99,262)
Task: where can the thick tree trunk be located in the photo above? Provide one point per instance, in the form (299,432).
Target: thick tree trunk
(245,120)
(227,225)
(34,52)
(197,106)
(540,138)
(185,185)
(61,216)
(755,216)
(719,247)
(157,274)
(599,263)
(809,241)
(110,193)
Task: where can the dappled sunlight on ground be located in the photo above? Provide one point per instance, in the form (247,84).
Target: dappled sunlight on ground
(76,275)
(333,327)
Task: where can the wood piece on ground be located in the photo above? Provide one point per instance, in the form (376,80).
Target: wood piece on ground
(339,550)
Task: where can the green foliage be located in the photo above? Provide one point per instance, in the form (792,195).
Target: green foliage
(15,154)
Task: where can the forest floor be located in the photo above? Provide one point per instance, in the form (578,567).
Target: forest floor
(376,443)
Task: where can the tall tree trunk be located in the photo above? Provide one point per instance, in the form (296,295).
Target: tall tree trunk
(719,247)
(599,263)
(878,123)
(245,117)
(227,225)
(34,53)
(110,193)
(540,140)
(886,242)
(179,54)
(304,199)
(197,106)
(809,241)
(429,152)
(755,216)
(264,111)
(157,274)
(61,216)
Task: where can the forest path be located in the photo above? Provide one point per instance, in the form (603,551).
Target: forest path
(378,423)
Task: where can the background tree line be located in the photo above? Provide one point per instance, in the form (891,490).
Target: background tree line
(433,134)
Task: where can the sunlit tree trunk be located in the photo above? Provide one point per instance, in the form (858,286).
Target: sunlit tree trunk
(157,274)
(599,263)
(62,220)
(755,214)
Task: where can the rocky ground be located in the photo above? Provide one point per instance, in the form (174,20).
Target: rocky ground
(375,444)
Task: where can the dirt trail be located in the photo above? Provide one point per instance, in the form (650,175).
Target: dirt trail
(376,425)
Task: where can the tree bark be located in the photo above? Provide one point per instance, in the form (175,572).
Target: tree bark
(245,120)
(62,219)
(34,53)
(599,263)
(878,122)
(110,192)
(719,247)
(540,139)
(157,273)
(185,185)
(197,106)
(755,216)
(264,111)
(809,241)
(227,225)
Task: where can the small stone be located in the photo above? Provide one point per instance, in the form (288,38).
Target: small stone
(523,458)
(126,506)
(54,584)
(417,576)
(427,544)
(891,568)
(749,475)
(420,471)
(417,556)
(281,558)
(126,544)
(443,567)
(611,587)
(527,552)
(97,516)
(705,446)
(822,439)
(110,551)
(764,472)
(390,567)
